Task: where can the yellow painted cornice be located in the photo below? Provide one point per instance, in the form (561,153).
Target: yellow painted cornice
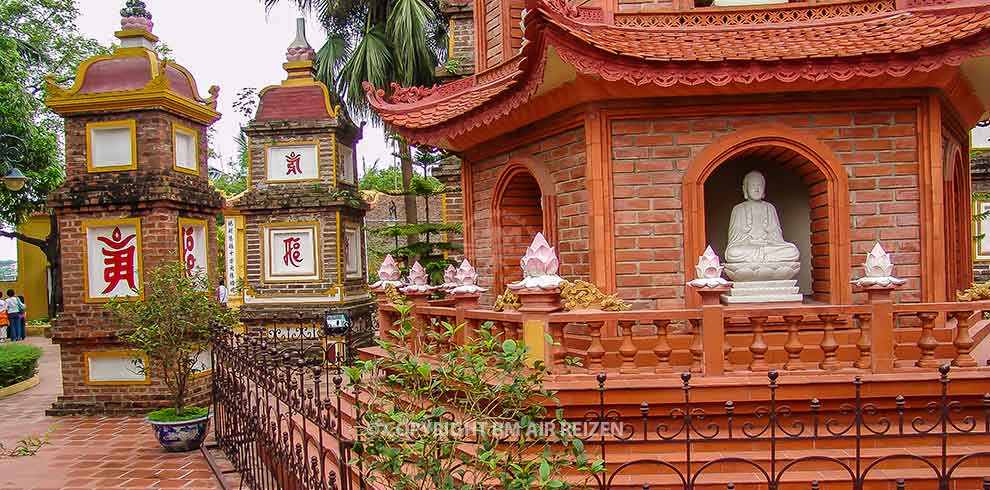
(129,33)
(146,98)
(157,93)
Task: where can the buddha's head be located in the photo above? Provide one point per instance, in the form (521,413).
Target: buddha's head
(754,186)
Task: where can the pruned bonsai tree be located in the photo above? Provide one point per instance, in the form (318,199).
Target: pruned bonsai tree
(171,326)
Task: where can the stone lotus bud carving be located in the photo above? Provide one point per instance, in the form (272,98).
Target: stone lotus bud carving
(449,279)
(300,50)
(879,270)
(135,16)
(539,266)
(466,278)
(418,280)
(388,274)
(709,271)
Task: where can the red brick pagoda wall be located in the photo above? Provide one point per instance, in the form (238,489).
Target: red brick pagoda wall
(878,150)
(564,158)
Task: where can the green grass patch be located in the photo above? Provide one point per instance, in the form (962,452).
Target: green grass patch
(169,415)
(18,362)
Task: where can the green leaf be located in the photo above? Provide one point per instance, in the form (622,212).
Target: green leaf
(509,346)
(424,370)
(544,470)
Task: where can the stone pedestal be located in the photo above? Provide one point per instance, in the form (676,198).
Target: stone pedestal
(763,292)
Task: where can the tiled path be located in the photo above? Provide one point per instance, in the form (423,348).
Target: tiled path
(87,453)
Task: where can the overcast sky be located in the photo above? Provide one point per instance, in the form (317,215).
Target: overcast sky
(230,43)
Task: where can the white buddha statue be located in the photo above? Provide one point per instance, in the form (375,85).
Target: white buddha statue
(763,265)
(754,228)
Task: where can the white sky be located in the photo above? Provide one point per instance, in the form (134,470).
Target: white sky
(230,43)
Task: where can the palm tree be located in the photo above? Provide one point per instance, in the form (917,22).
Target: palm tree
(378,41)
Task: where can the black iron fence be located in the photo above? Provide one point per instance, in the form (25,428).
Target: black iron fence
(286,420)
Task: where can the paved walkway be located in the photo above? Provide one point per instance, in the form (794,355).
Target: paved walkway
(87,453)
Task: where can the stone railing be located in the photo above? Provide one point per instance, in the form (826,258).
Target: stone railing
(878,336)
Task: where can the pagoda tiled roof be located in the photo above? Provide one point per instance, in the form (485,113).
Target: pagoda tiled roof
(839,41)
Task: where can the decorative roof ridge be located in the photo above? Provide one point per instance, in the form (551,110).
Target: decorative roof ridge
(562,12)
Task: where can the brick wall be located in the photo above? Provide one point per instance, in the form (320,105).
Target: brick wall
(563,156)
(878,150)
(462,34)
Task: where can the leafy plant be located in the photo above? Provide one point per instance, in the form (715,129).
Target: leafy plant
(28,446)
(18,362)
(444,416)
(171,326)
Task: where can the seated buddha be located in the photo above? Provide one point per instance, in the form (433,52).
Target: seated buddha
(756,249)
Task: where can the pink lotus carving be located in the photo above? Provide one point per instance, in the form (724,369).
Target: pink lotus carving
(709,271)
(418,280)
(449,279)
(388,274)
(879,270)
(136,24)
(300,54)
(467,277)
(539,266)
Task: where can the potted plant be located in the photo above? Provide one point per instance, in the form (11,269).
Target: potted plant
(171,327)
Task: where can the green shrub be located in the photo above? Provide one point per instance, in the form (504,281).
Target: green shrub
(18,362)
(168,414)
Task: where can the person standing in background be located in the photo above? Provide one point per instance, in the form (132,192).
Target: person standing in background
(24,313)
(14,308)
(222,293)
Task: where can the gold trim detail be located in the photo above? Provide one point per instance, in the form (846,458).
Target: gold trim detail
(115,354)
(178,128)
(125,123)
(86,225)
(184,222)
(317,247)
(314,143)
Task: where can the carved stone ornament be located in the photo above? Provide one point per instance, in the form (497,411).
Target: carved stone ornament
(709,271)
(879,270)
(583,295)
(388,274)
(466,277)
(300,50)
(449,279)
(418,280)
(507,301)
(539,266)
(135,17)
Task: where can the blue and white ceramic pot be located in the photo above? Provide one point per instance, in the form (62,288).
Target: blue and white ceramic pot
(186,435)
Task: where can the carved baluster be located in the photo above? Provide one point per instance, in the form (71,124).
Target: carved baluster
(927,342)
(662,349)
(963,341)
(829,345)
(595,351)
(865,342)
(726,350)
(793,345)
(498,330)
(558,350)
(697,347)
(627,350)
(759,346)
(519,332)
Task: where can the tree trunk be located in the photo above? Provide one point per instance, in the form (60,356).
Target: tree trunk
(405,156)
(50,247)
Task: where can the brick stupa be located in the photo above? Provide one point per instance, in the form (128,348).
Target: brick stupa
(136,195)
(300,224)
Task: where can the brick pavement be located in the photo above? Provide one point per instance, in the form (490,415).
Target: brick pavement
(87,453)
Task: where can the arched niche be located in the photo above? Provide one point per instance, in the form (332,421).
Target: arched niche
(795,158)
(523,205)
(958,212)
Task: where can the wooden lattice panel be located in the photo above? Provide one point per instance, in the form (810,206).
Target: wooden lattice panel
(762,15)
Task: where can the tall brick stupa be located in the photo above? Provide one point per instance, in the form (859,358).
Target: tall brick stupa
(136,195)
(300,223)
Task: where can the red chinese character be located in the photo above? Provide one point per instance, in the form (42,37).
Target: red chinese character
(119,259)
(292,256)
(292,164)
(188,245)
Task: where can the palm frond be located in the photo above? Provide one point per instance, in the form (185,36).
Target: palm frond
(372,61)
(330,59)
(408,29)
